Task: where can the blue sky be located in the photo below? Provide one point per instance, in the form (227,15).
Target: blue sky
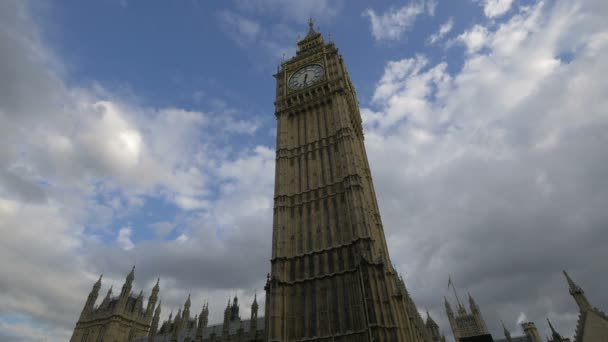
(143,132)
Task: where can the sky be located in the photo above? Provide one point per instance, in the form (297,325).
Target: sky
(142,133)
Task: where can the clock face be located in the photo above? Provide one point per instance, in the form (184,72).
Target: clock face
(306,76)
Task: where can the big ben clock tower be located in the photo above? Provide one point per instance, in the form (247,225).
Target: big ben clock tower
(331,276)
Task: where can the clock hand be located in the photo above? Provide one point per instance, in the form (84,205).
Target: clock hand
(305,77)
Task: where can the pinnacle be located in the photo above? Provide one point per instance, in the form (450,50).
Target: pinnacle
(571,283)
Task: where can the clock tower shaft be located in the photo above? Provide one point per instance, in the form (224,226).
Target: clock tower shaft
(331,276)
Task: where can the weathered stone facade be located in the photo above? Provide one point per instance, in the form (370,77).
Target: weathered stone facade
(121,318)
(124,319)
(592,325)
(331,276)
(466,324)
(183,328)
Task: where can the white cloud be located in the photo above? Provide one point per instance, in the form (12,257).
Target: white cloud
(124,238)
(395,22)
(241,29)
(444,29)
(498,151)
(75,160)
(496,8)
(474,39)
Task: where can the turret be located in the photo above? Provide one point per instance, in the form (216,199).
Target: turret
(253,323)
(477,314)
(202,322)
(472,304)
(578,294)
(506,332)
(432,328)
(154,324)
(176,326)
(153,298)
(450,313)
(92,298)
(234,310)
(186,313)
(531,332)
(448,307)
(226,325)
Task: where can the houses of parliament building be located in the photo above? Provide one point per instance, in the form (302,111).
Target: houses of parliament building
(331,278)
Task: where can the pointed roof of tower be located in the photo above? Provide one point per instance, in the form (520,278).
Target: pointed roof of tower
(555,335)
(572,285)
(471,300)
(447,304)
(254,305)
(156,287)
(311,29)
(98,282)
(157,311)
(429,320)
(131,274)
(187,303)
(505,330)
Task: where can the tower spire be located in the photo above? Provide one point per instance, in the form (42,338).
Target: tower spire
(555,335)
(505,331)
(578,294)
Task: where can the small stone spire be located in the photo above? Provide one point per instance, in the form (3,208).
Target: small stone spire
(226,325)
(186,312)
(139,302)
(472,303)
(234,309)
(131,274)
(311,24)
(253,325)
(92,298)
(555,335)
(107,298)
(578,294)
(126,287)
(98,282)
(153,298)
(202,322)
(254,305)
(505,331)
(154,324)
(187,303)
(448,307)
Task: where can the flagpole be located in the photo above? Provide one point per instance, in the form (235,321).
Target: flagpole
(450,282)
